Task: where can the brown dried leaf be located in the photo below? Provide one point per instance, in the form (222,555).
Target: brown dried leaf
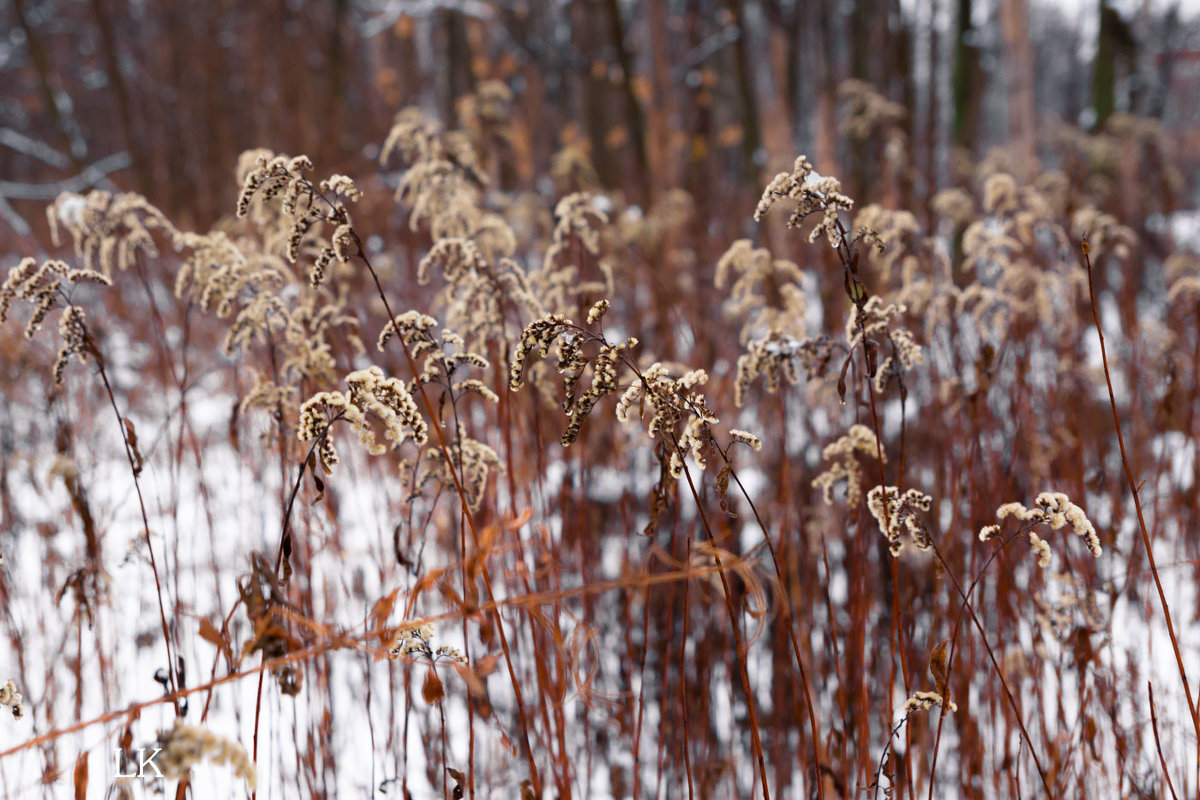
(458,779)
(131,437)
(381,612)
(485,665)
(432,689)
(474,684)
(81,776)
(938,668)
(320,484)
(210,634)
(518,522)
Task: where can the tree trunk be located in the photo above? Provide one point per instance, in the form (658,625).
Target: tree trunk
(1018,57)
(967,80)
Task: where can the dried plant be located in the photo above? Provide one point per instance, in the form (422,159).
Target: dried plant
(715,590)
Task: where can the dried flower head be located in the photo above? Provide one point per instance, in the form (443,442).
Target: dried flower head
(273,175)
(897,513)
(679,414)
(538,335)
(43,287)
(745,437)
(183,746)
(109,230)
(10,697)
(922,701)
(1056,511)
(473,460)
(812,193)
(859,439)
(417,640)
(371,395)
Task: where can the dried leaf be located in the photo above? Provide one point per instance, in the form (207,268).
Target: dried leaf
(432,689)
(81,776)
(234,438)
(381,612)
(475,686)
(131,438)
(723,480)
(938,668)
(458,779)
(210,634)
(518,522)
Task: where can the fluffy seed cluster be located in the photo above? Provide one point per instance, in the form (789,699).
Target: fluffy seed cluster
(597,312)
(473,460)
(874,319)
(415,328)
(417,640)
(671,401)
(897,513)
(604,381)
(1041,549)
(767,291)
(472,246)
(865,112)
(10,697)
(305,204)
(538,335)
(109,230)
(41,286)
(859,439)
(577,219)
(566,276)
(273,175)
(922,701)
(184,746)
(342,186)
(73,330)
(813,193)
(1055,510)
(745,437)
(222,271)
(1061,512)
(371,395)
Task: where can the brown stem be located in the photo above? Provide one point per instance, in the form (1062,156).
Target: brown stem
(90,344)
(1137,502)
(361,252)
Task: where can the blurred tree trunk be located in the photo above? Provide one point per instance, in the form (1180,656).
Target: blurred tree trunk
(1116,43)
(635,119)
(822,31)
(699,177)
(744,76)
(336,75)
(1018,58)
(41,65)
(778,135)
(1104,69)
(661,109)
(902,39)
(867,54)
(933,108)
(592,75)
(456,68)
(967,80)
(177,179)
(108,48)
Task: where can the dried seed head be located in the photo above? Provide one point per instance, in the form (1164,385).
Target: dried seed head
(184,746)
(9,696)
